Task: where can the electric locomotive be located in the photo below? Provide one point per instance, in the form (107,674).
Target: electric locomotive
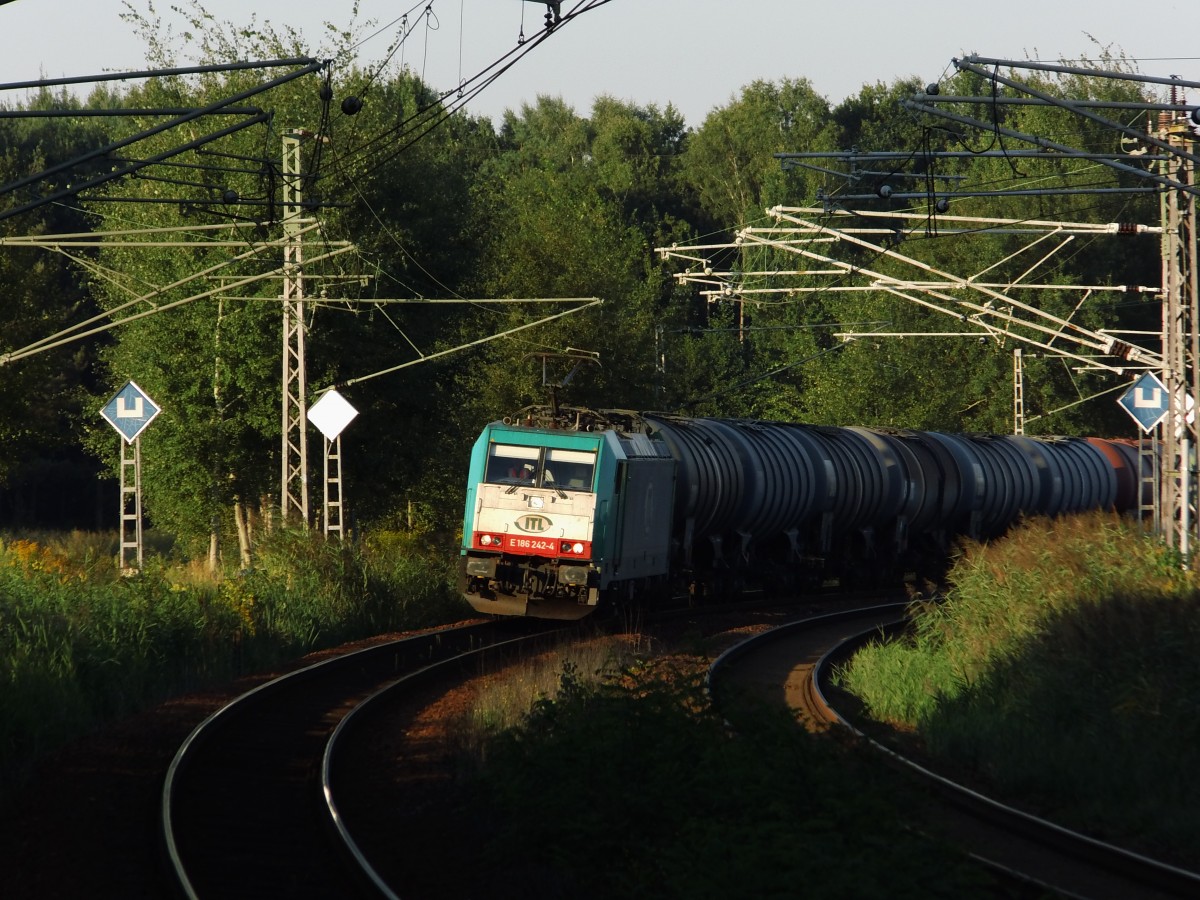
(560,509)
(568,509)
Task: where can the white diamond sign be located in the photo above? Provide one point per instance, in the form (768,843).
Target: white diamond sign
(331,414)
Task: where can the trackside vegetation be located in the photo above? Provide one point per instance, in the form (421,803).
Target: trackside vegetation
(630,784)
(1062,668)
(81,646)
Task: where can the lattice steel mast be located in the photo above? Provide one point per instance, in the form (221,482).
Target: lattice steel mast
(293,494)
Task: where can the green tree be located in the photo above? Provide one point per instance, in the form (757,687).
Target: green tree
(43,294)
(575,207)
(393,179)
(403,171)
(730,166)
(203,321)
(793,365)
(730,160)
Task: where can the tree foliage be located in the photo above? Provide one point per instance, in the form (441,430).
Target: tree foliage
(547,203)
(39,406)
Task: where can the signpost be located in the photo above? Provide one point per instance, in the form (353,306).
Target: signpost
(331,414)
(1147,401)
(129,411)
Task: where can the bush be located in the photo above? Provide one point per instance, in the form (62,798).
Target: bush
(634,787)
(81,645)
(1063,659)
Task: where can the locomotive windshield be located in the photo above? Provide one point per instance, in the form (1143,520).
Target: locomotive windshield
(569,470)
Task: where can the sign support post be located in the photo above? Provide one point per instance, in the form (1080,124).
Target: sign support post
(129,411)
(131,506)
(1147,403)
(333,486)
(331,414)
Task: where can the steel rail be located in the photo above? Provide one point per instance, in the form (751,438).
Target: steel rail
(1165,878)
(411,652)
(357,719)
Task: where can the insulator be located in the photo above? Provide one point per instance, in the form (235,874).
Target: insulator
(1127,228)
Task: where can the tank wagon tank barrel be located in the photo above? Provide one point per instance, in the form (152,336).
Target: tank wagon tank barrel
(671,500)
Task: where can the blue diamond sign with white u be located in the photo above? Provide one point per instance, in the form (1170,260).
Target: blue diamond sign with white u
(130,411)
(1147,401)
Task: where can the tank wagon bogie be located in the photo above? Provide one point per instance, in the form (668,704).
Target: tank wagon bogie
(569,509)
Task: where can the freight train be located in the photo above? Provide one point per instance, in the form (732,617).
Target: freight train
(569,509)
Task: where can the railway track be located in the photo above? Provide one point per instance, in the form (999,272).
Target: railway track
(244,812)
(792,664)
(249,807)
(251,803)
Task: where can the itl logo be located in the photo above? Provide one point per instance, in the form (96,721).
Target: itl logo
(533,524)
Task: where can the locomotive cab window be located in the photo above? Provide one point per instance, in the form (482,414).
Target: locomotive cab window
(570,470)
(510,464)
(563,470)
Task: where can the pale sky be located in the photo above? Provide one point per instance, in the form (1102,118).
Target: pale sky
(696,54)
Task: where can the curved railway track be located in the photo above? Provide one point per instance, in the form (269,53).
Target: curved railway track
(242,812)
(249,807)
(792,664)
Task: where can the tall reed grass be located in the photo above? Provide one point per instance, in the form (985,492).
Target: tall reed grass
(80,645)
(1064,666)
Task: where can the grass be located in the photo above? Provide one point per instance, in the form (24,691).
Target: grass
(1063,659)
(1062,667)
(505,703)
(606,773)
(80,645)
